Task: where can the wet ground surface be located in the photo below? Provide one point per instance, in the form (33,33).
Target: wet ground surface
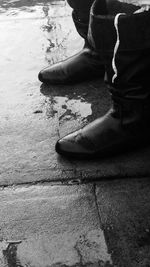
(106,224)
(48,216)
(33,116)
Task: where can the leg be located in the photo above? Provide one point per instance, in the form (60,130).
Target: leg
(80,15)
(124,41)
(85,65)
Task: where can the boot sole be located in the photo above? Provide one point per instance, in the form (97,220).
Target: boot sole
(105,153)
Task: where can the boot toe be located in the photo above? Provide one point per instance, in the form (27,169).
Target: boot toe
(53,74)
(65,146)
(40,76)
(45,75)
(73,145)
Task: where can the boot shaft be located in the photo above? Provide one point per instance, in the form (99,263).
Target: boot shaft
(124,43)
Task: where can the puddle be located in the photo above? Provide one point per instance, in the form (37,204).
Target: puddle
(8,253)
(37,32)
(26,7)
(68,109)
(75,102)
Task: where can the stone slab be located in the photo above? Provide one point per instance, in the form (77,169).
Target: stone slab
(124,213)
(44,226)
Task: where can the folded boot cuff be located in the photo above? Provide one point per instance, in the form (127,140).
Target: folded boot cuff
(132,31)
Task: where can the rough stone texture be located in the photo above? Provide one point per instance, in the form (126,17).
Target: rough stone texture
(44,226)
(124,212)
(33,116)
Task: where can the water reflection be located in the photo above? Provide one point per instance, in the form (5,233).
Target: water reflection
(55,22)
(36,33)
(30,9)
(19,4)
(47,36)
(83,102)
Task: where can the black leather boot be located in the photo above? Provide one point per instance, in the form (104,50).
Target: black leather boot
(124,40)
(85,65)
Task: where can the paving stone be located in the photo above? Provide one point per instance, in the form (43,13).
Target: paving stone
(125,219)
(43,226)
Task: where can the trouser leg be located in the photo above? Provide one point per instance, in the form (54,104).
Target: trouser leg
(124,41)
(81,13)
(115,6)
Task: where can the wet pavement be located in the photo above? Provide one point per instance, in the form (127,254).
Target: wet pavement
(106,224)
(49,214)
(34,116)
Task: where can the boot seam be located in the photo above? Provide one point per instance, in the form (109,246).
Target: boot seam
(116,47)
